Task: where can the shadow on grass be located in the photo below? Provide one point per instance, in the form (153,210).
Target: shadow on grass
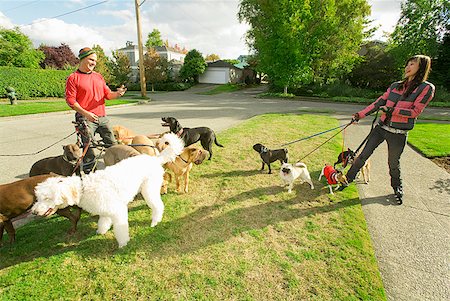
(194,231)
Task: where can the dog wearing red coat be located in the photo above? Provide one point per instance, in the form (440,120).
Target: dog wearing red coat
(333,176)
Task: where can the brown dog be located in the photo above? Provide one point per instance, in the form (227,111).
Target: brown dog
(144,145)
(122,134)
(17,197)
(117,153)
(183,165)
(63,165)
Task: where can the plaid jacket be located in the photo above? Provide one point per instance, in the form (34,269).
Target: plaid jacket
(405,110)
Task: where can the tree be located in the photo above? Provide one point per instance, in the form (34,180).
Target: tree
(120,68)
(156,67)
(441,65)
(212,57)
(296,41)
(16,49)
(193,66)
(58,57)
(154,39)
(103,64)
(376,69)
(420,29)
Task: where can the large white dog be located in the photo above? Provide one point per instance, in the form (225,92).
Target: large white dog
(107,192)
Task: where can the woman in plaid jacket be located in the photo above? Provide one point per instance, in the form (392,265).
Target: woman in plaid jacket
(401,104)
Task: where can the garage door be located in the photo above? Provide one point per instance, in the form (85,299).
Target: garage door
(214,77)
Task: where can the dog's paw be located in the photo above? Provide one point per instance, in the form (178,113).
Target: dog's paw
(123,244)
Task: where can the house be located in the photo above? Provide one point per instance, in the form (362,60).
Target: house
(174,55)
(222,72)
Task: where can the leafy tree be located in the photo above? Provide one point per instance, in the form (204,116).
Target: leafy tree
(154,39)
(232,61)
(212,57)
(58,57)
(156,67)
(103,64)
(441,65)
(120,68)
(16,49)
(420,29)
(298,40)
(376,69)
(194,65)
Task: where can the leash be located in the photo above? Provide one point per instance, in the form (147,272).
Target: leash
(317,134)
(344,125)
(367,137)
(40,151)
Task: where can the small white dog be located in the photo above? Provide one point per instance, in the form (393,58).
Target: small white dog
(289,173)
(107,192)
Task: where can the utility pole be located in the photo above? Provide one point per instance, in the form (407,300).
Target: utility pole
(141,51)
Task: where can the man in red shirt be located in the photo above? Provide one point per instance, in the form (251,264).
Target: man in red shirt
(86,92)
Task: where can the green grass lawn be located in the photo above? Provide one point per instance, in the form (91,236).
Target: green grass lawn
(45,106)
(237,235)
(431,139)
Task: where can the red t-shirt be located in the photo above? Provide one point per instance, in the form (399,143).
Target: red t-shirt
(89,90)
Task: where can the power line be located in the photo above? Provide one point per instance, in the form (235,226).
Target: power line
(68,13)
(22,5)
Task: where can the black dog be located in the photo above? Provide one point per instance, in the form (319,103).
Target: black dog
(269,156)
(345,158)
(205,135)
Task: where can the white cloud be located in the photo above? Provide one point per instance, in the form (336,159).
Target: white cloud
(5,22)
(385,14)
(53,32)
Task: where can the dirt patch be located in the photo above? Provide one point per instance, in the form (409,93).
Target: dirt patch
(443,162)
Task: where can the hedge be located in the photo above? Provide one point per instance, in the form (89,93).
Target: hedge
(30,83)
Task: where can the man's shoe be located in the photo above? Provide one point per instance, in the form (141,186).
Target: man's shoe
(398,191)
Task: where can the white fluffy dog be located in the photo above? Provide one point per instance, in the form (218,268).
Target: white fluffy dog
(289,173)
(107,192)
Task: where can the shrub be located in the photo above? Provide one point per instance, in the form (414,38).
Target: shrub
(30,83)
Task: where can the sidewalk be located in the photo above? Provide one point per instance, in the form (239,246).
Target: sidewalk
(411,241)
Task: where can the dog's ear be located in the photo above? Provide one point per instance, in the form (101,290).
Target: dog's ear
(178,126)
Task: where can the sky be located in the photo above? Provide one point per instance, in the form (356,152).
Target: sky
(210,26)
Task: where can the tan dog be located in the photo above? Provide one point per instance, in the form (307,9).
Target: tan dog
(117,153)
(144,145)
(365,172)
(17,197)
(63,165)
(123,135)
(183,165)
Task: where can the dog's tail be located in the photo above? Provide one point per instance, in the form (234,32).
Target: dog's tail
(217,142)
(174,147)
(300,164)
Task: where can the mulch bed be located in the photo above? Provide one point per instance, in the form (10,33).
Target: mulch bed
(443,162)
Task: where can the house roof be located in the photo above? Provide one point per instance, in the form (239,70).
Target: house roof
(222,63)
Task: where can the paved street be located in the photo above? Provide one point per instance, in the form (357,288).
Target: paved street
(411,241)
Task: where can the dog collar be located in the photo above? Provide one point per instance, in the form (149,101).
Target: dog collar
(183,159)
(68,161)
